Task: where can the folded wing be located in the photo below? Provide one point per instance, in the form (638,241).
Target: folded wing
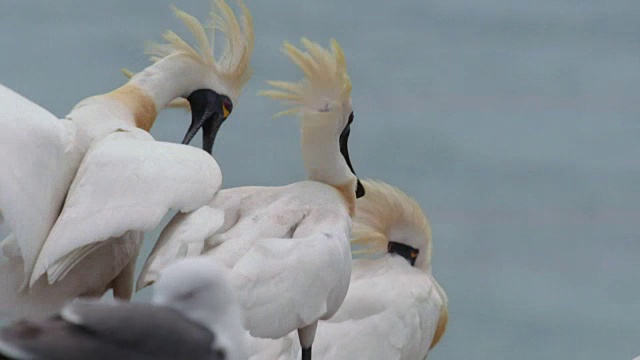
(394,309)
(288,283)
(184,236)
(132,182)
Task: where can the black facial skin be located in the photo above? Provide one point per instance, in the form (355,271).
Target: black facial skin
(406,251)
(344,149)
(207,112)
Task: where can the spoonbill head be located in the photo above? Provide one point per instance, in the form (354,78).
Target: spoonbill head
(208,84)
(323,102)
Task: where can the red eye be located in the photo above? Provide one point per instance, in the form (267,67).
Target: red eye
(227,104)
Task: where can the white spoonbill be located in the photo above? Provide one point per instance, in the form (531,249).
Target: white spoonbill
(395,308)
(77,193)
(287,247)
(194,315)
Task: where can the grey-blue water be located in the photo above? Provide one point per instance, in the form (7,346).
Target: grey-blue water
(514,123)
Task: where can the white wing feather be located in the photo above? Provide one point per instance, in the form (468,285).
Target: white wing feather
(283,283)
(194,229)
(184,236)
(391,311)
(39,156)
(393,308)
(132,182)
(286,249)
(288,282)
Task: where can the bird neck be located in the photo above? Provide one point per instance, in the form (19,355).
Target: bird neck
(324,162)
(138,102)
(152,89)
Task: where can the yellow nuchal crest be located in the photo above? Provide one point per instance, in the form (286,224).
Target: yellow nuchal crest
(325,86)
(233,66)
(382,209)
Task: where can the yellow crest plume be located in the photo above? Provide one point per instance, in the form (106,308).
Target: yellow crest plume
(233,66)
(326,83)
(383,208)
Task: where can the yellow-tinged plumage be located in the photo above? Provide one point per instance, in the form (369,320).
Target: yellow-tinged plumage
(176,103)
(326,84)
(233,66)
(382,209)
(196,28)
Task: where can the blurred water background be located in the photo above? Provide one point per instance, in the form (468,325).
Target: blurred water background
(515,125)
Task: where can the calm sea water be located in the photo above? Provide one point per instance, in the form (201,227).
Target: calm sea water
(514,124)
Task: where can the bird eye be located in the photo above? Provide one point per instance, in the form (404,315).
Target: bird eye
(227,106)
(414,254)
(351,118)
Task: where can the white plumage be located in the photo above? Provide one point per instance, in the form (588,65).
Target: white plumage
(126,181)
(287,248)
(77,193)
(103,182)
(392,310)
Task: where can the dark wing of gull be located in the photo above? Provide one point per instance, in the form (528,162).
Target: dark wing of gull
(89,329)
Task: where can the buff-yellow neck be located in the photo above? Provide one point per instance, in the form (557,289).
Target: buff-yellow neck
(323,160)
(138,102)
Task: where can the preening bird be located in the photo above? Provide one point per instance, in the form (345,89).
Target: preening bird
(194,315)
(77,194)
(287,248)
(395,308)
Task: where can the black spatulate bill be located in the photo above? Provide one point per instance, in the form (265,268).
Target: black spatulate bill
(207,112)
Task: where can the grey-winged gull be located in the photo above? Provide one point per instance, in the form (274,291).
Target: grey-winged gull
(194,315)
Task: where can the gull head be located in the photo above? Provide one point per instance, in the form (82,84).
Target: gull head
(198,287)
